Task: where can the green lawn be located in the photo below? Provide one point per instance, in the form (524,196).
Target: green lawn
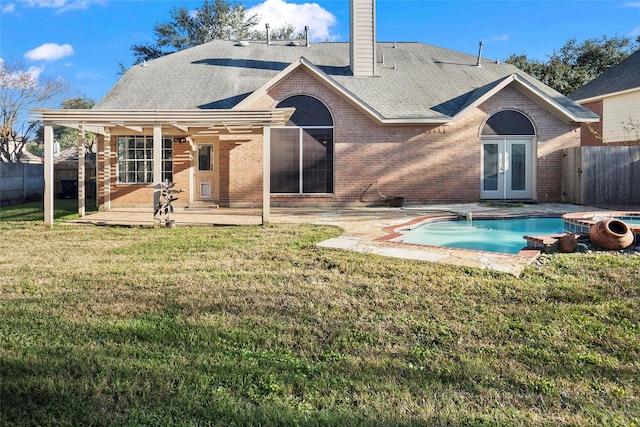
(257,326)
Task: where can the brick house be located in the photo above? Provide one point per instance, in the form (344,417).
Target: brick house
(408,119)
(615,97)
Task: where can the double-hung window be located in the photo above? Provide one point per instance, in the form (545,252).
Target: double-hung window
(302,152)
(135,159)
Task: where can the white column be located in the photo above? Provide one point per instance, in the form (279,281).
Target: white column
(266,175)
(107,169)
(157,154)
(81,173)
(157,163)
(49,187)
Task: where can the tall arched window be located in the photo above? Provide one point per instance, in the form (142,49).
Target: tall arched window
(302,152)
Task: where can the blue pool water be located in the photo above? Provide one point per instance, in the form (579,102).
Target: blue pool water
(493,235)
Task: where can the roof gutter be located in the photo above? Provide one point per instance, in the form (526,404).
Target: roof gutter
(606,95)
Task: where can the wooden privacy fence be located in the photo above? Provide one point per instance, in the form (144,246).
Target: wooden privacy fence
(602,175)
(69,171)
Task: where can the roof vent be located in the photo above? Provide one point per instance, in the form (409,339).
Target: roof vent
(306,35)
(268,33)
(479,63)
(293,43)
(242,43)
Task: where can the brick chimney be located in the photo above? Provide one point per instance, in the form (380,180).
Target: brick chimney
(363,37)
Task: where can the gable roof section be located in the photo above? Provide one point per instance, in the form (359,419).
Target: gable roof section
(558,105)
(415,82)
(624,77)
(303,63)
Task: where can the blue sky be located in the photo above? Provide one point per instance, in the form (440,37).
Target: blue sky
(83,41)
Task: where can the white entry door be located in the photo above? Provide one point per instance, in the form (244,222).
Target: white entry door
(506,169)
(206,182)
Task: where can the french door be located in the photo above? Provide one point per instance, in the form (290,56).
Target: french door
(506,169)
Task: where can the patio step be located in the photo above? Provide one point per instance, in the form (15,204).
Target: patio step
(202,207)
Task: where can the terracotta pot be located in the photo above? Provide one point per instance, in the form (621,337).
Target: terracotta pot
(568,243)
(396,202)
(611,234)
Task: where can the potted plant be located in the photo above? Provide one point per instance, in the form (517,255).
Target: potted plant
(164,209)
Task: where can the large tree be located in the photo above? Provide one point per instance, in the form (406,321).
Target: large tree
(576,64)
(216,19)
(21,91)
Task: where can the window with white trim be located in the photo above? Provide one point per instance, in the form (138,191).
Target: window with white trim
(135,159)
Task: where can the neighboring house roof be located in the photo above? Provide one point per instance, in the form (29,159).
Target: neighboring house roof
(68,155)
(27,157)
(414,81)
(622,78)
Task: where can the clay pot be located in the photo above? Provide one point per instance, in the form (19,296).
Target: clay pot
(611,234)
(568,243)
(396,202)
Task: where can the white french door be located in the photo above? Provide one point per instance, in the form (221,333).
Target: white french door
(506,169)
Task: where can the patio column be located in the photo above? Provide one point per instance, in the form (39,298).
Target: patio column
(107,169)
(49,186)
(266,175)
(157,163)
(81,172)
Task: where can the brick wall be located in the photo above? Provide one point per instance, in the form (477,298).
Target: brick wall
(422,163)
(591,133)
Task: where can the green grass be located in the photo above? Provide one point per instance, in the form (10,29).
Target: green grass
(257,326)
(63,210)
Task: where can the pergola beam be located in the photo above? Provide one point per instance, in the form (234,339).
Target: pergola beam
(179,119)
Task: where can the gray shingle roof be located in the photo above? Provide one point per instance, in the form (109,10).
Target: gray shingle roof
(624,76)
(415,80)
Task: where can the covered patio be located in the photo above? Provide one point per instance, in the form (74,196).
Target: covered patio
(184,124)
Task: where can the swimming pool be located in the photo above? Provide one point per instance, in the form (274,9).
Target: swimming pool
(492,235)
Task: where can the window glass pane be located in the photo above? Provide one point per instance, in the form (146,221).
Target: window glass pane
(205,157)
(317,161)
(285,160)
(309,111)
(491,167)
(508,122)
(167,159)
(518,167)
(135,159)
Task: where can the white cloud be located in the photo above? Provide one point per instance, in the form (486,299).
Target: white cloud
(635,32)
(10,7)
(498,38)
(631,4)
(49,52)
(64,5)
(277,13)
(34,72)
